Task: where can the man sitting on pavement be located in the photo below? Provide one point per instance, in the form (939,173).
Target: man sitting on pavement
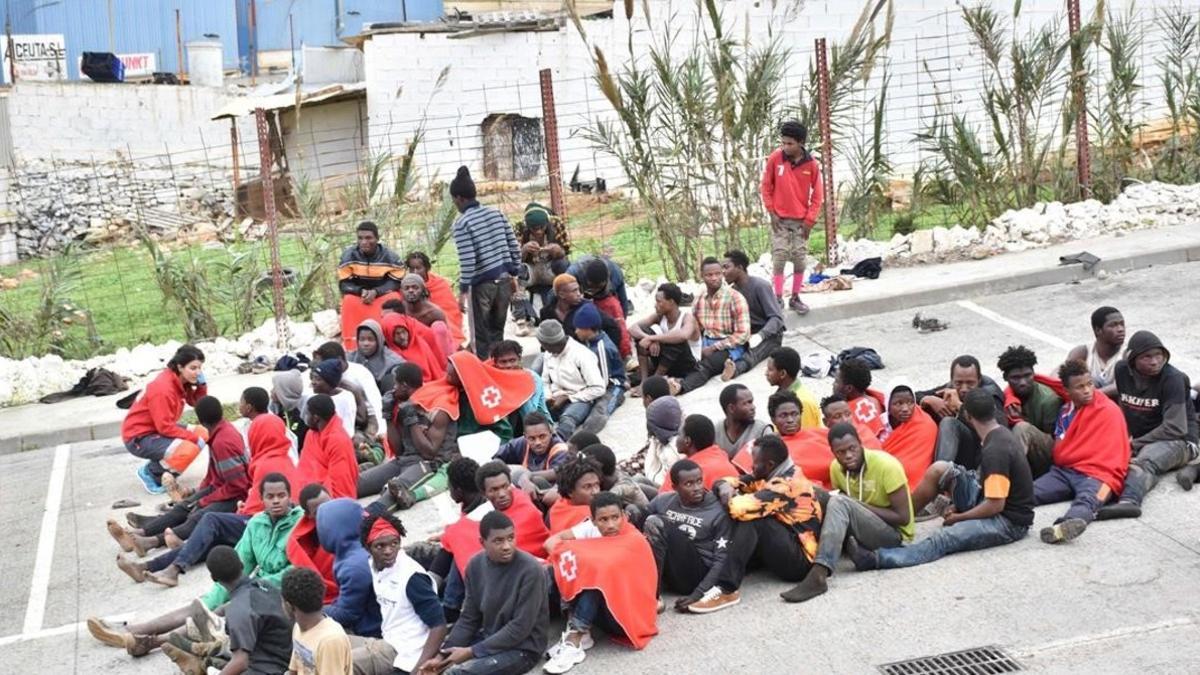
(571,374)
(992,507)
(912,433)
(338,523)
(612,479)
(783,372)
(1103,355)
(836,410)
(612,367)
(1155,397)
(369,274)
(689,531)
(808,448)
(578,482)
(304,546)
(1090,455)
(766,317)
(1032,407)
(724,320)
(957,441)
(872,505)
(441,294)
(853,383)
(616,277)
(696,442)
(328,456)
(595,287)
(319,644)
(502,629)
(777,520)
(535,456)
(741,427)
(568,300)
(668,341)
(506,355)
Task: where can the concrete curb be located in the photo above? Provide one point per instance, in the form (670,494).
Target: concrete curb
(1000,282)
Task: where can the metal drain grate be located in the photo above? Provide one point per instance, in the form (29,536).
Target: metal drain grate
(978,661)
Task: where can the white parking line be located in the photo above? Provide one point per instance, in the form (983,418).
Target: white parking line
(1117,634)
(39,587)
(1016,325)
(60,630)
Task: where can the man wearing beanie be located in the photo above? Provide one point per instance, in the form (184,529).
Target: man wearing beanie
(791,192)
(612,366)
(544,250)
(571,373)
(488,262)
(1155,397)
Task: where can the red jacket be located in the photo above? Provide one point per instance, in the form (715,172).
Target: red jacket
(269,453)
(611,305)
(329,459)
(792,191)
(160,407)
(227,475)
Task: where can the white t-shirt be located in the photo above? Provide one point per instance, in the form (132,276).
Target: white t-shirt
(586,530)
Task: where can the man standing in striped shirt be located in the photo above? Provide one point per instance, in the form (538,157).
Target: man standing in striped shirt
(488,261)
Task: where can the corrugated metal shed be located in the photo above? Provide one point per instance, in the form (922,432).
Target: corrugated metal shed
(133,26)
(324,22)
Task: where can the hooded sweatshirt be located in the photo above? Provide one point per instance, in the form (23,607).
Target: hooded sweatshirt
(1156,408)
(270,452)
(381,362)
(338,525)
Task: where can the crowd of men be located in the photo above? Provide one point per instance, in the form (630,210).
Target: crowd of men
(313,572)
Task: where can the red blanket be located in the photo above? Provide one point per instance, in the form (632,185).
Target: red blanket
(1097,443)
(461,537)
(1012,404)
(913,443)
(622,569)
(354,312)
(304,550)
(329,459)
(423,347)
(441,293)
(269,453)
(809,450)
(492,393)
(868,413)
(564,515)
(714,464)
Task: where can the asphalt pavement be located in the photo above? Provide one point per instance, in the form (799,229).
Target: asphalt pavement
(1120,599)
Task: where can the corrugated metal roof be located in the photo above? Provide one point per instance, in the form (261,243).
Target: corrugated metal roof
(246,105)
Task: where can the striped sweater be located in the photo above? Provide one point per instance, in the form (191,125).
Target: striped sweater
(486,246)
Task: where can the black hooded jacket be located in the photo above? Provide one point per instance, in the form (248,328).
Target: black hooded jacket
(1156,408)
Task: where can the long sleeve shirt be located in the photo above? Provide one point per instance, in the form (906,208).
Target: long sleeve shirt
(380,272)
(792,189)
(766,317)
(724,317)
(486,246)
(228,476)
(159,408)
(263,550)
(508,604)
(575,371)
(707,525)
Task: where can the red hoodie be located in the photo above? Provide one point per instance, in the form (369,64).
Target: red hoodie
(227,474)
(329,459)
(159,409)
(792,190)
(270,452)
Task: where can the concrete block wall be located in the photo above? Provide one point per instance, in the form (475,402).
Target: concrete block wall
(931,58)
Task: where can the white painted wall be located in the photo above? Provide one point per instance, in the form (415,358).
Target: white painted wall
(328,143)
(930,56)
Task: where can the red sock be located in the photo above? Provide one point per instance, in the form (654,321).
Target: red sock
(797,282)
(778,285)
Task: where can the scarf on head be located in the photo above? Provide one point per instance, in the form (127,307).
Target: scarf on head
(663,417)
(423,348)
(383,360)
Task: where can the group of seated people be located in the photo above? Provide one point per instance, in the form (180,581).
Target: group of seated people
(308,580)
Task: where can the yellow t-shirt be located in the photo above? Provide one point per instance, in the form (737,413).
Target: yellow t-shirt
(323,649)
(810,407)
(882,475)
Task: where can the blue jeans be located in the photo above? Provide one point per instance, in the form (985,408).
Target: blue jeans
(455,591)
(572,415)
(603,408)
(511,662)
(966,535)
(589,609)
(213,530)
(1060,484)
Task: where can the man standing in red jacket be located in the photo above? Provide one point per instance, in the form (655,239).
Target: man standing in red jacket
(791,192)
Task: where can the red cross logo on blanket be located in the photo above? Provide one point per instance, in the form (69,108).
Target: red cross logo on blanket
(568,566)
(490,396)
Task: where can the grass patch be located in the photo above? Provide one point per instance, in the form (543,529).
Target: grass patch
(229,412)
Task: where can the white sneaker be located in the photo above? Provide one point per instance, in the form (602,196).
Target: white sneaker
(585,644)
(566,657)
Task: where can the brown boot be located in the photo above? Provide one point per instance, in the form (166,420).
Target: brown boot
(121,535)
(110,633)
(135,570)
(190,664)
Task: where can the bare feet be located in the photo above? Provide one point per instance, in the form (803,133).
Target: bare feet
(674,386)
(172,540)
(135,570)
(174,490)
(142,545)
(168,577)
(121,535)
(110,633)
(729,371)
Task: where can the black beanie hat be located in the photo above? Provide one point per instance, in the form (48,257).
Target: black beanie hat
(462,185)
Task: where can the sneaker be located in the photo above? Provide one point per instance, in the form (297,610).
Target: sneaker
(585,644)
(797,305)
(566,657)
(934,509)
(188,663)
(714,600)
(729,371)
(1119,510)
(1063,531)
(148,481)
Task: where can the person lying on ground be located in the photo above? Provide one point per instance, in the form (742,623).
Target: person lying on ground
(808,448)
(372,353)
(956,440)
(441,294)
(605,573)
(338,523)
(506,355)
(689,531)
(223,488)
(872,505)
(777,520)
(668,341)
(783,372)
(319,644)
(853,383)
(724,320)
(328,456)
(912,433)
(1090,455)
(506,612)
(695,441)
(1032,406)
(421,443)
(535,457)
(151,429)
(991,507)
(368,275)
(1156,399)
(1103,355)
(571,375)
(413,625)
(766,316)
(741,427)
(612,367)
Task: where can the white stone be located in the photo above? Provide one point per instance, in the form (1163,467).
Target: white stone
(327,323)
(922,242)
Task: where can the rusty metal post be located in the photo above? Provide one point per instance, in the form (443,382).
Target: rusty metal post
(235,153)
(180,71)
(268,195)
(827,187)
(553,166)
(1083,152)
